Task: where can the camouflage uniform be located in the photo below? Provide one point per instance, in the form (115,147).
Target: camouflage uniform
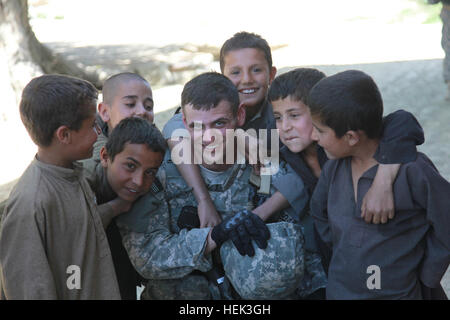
(170,257)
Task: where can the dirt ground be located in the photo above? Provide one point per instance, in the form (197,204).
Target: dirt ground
(402,55)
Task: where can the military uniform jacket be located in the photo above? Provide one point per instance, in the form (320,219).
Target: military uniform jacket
(52,242)
(166,254)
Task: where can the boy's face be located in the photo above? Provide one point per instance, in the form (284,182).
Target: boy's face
(334,147)
(84,138)
(133,98)
(133,170)
(214,124)
(294,122)
(249,71)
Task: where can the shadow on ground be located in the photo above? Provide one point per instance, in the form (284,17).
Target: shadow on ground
(171,64)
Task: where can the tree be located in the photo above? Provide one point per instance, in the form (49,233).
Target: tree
(25,56)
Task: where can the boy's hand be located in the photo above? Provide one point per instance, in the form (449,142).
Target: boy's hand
(378,203)
(112,209)
(207,214)
(120,206)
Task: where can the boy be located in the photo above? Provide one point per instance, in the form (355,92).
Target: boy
(389,261)
(52,241)
(287,95)
(131,158)
(124,95)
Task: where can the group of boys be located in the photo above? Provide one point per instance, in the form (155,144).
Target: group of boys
(218,229)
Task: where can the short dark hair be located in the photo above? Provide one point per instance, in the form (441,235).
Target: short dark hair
(53,100)
(244,40)
(207,90)
(135,130)
(348,100)
(110,85)
(296,83)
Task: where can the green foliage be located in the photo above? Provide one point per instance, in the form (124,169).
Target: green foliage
(420,10)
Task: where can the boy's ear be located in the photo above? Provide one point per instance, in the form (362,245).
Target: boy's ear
(240,116)
(352,137)
(184,119)
(273,73)
(103,111)
(62,134)
(104,157)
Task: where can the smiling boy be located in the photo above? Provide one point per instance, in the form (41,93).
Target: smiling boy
(131,158)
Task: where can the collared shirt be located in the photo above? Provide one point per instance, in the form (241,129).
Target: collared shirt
(412,247)
(52,242)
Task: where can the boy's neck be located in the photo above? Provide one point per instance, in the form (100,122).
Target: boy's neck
(250,112)
(362,160)
(312,159)
(362,155)
(52,157)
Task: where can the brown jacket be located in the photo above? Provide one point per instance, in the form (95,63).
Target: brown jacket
(52,240)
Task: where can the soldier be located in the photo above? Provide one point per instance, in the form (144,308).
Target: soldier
(161,231)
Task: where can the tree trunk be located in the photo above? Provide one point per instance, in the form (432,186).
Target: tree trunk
(25,56)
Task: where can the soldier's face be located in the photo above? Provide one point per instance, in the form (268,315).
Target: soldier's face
(132,171)
(208,129)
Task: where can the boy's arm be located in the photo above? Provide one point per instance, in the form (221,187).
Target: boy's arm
(112,209)
(290,192)
(401,134)
(208,215)
(155,251)
(25,270)
(91,166)
(275,203)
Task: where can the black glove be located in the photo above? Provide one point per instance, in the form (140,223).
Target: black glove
(241,229)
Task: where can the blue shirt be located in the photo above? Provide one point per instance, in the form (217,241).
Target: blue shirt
(413,247)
